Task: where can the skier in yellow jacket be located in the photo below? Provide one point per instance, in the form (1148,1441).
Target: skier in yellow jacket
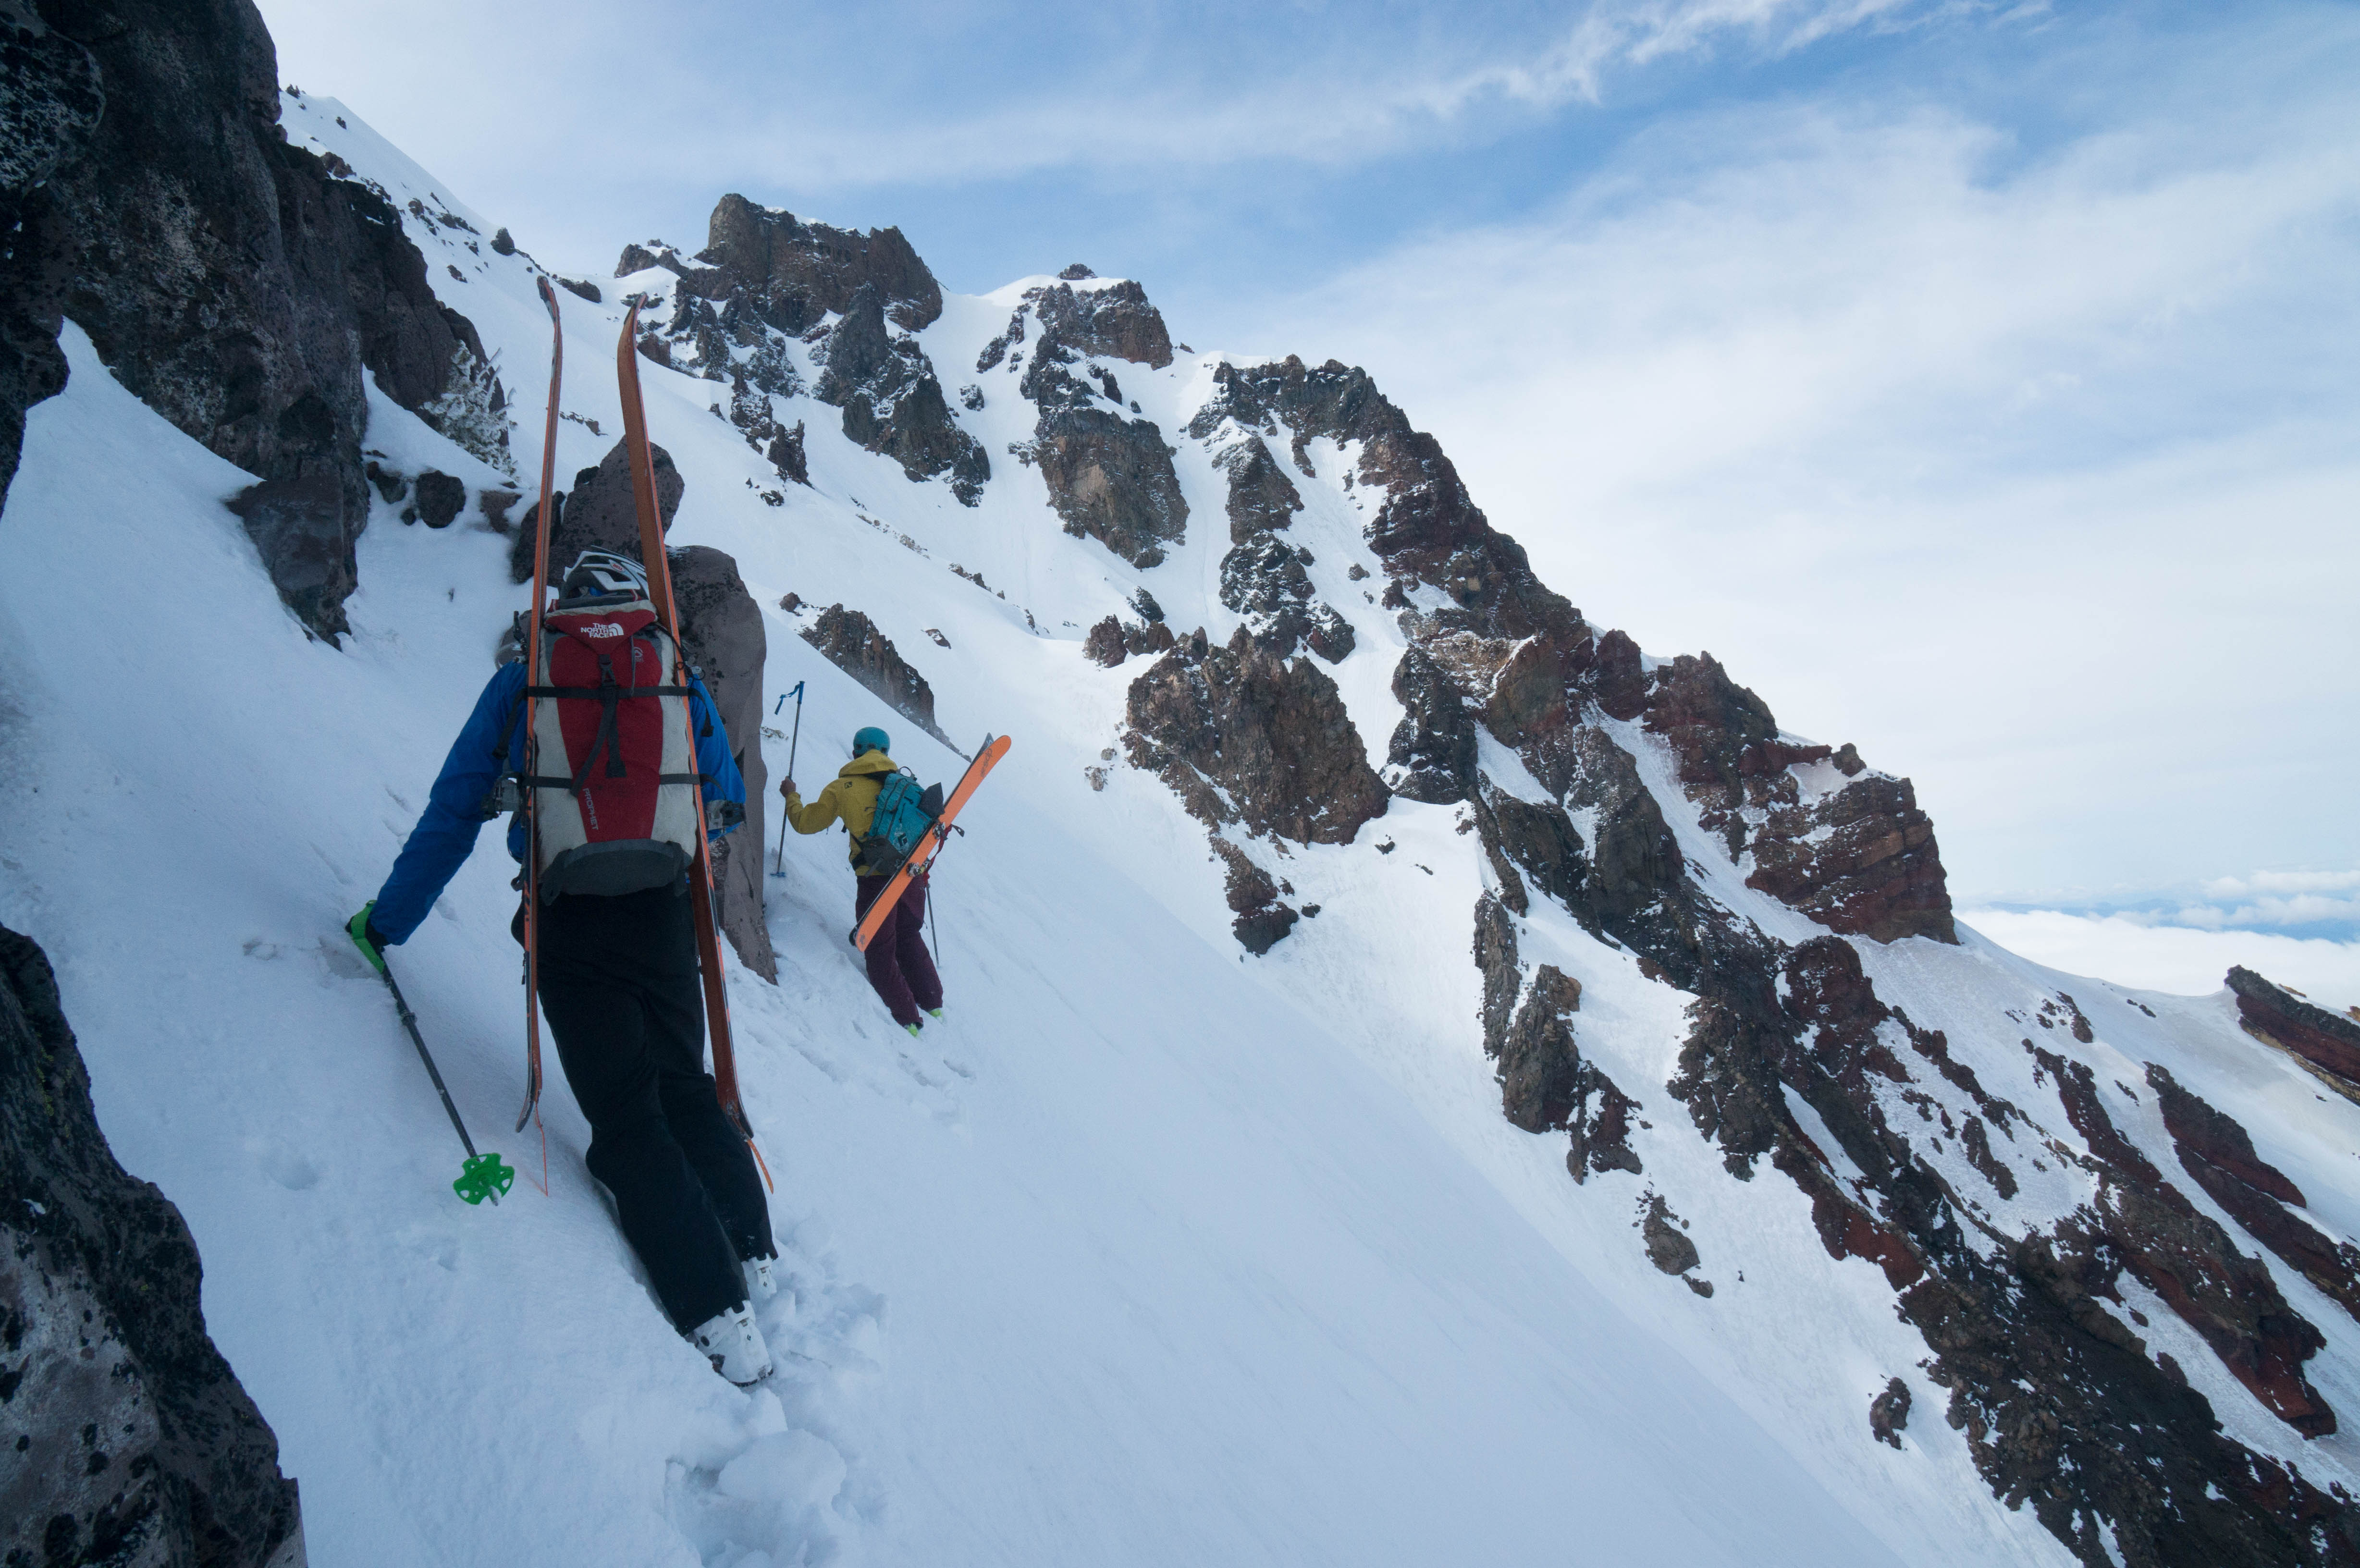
(899,968)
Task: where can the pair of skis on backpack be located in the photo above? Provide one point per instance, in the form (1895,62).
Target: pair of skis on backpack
(484,1175)
(940,823)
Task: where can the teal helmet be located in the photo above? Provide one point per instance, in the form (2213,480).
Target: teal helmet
(870,739)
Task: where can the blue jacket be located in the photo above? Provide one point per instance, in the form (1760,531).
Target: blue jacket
(445,833)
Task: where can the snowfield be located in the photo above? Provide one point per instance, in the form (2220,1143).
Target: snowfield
(1157,1253)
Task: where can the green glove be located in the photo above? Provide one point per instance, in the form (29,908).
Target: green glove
(366,937)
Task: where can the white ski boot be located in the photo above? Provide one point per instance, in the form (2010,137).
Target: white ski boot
(733,1343)
(761,1284)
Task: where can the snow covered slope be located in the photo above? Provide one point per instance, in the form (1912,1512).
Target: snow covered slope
(1163,1252)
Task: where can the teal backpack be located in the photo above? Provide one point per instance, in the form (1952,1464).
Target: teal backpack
(903,814)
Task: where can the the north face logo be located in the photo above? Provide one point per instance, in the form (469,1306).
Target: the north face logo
(602,629)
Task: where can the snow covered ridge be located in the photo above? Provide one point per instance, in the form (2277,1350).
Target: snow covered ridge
(1242,1216)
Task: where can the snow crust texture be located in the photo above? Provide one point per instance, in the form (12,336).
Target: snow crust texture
(1424,1081)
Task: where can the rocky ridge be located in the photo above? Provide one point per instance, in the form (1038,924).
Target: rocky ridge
(240,285)
(2065,1408)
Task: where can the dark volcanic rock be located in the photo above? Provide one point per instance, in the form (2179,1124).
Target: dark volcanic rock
(1262,497)
(792,273)
(441,499)
(598,513)
(1888,1413)
(132,1439)
(854,645)
(1261,919)
(2327,1042)
(1428,531)
(1540,1066)
(1104,645)
(1431,757)
(892,401)
(225,277)
(1110,479)
(1112,322)
(721,634)
(1271,734)
(1668,1247)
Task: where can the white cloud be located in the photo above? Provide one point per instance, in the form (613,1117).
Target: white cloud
(2168,958)
(2029,472)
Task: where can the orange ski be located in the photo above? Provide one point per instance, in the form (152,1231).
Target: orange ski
(930,843)
(658,570)
(531,766)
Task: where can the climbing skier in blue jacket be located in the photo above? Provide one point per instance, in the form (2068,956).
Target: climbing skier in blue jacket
(619,980)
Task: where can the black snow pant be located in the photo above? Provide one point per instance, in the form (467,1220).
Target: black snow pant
(901,970)
(625,1000)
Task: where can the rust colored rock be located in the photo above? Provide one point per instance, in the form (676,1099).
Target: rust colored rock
(2217,1152)
(793,272)
(2188,1260)
(2328,1042)
(1862,861)
(853,643)
(1271,734)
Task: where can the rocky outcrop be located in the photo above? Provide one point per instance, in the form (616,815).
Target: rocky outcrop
(1111,322)
(893,402)
(226,278)
(598,513)
(1546,1085)
(2329,1044)
(1428,531)
(1109,475)
(2219,1154)
(1857,855)
(1252,893)
(1263,581)
(852,643)
(1861,860)
(721,632)
(131,1439)
(1244,736)
(1888,1413)
(792,273)
(1113,640)
(1431,757)
(1262,497)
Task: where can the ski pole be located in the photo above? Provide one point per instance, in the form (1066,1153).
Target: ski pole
(483,1176)
(781,868)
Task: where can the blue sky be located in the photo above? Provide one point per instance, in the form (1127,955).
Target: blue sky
(1978,382)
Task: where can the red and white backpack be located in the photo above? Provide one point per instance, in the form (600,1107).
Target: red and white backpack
(614,779)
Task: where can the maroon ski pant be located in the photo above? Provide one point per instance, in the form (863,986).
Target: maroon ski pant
(899,968)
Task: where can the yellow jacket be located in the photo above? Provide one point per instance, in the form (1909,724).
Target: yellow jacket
(850,797)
